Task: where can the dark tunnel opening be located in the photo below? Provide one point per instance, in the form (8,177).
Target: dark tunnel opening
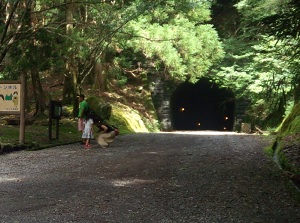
(202,106)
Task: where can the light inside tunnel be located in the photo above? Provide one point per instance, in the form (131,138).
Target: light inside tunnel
(202,106)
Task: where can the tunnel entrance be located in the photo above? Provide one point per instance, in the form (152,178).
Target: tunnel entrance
(202,106)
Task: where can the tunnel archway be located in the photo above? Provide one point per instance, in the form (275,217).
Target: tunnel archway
(202,106)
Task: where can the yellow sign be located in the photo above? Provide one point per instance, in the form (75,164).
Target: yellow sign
(10,93)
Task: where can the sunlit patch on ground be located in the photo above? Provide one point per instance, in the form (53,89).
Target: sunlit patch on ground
(203,133)
(8,179)
(128,182)
(152,153)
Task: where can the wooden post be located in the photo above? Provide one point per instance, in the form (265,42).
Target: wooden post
(57,128)
(22,111)
(50,121)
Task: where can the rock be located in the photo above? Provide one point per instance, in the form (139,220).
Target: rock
(100,107)
(246,127)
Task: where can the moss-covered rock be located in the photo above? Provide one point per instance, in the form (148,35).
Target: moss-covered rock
(127,119)
(292,123)
(100,107)
(287,148)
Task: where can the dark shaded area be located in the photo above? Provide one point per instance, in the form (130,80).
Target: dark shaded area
(202,106)
(226,18)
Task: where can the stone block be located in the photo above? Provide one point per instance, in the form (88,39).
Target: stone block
(245,127)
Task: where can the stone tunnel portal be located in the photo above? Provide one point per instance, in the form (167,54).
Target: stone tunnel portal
(202,106)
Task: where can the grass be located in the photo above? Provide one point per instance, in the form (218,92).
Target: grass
(38,134)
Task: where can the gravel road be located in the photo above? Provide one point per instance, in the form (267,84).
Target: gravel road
(161,178)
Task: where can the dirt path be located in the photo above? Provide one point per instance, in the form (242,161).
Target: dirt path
(147,178)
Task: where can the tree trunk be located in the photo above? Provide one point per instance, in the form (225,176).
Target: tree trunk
(70,82)
(27,104)
(71,79)
(297,93)
(100,77)
(38,91)
(8,13)
(100,70)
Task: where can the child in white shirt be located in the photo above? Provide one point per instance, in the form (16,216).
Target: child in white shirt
(88,132)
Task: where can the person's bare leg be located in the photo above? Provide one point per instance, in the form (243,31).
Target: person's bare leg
(87,143)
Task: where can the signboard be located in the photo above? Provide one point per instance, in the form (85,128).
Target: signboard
(10,97)
(55,109)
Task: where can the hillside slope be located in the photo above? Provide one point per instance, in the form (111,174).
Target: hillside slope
(287,145)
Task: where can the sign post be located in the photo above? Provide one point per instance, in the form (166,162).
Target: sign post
(55,109)
(12,102)
(22,111)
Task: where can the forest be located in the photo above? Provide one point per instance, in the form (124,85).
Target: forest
(114,49)
(249,46)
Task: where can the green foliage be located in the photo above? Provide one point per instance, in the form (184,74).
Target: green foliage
(261,74)
(259,9)
(269,151)
(260,66)
(172,41)
(174,38)
(171,34)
